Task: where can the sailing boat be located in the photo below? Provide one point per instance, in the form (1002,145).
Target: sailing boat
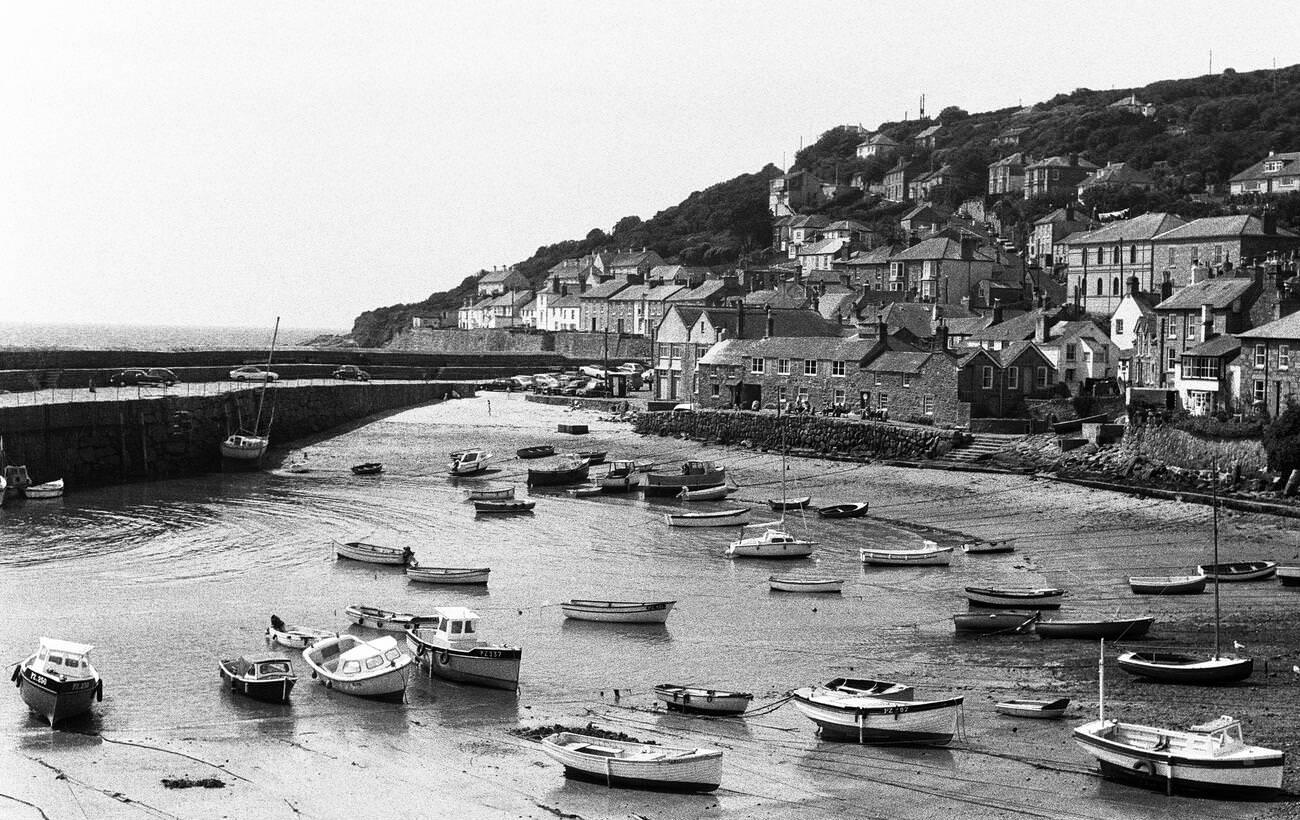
(1175,667)
(774,542)
(248,446)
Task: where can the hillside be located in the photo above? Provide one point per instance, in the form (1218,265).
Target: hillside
(1204,130)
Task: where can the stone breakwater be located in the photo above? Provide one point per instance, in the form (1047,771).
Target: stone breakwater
(821,435)
(109,442)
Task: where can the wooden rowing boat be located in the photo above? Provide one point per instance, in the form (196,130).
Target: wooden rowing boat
(856,510)
(626,612)
(932,555)
(701,700)
(788,583)
(717,518)
(981,546)
(627,764)
(1168,584)
(1112,629)
(1238,571)
(993,622)
(1016,597)
(447,575)
(1041,709)
(1176,667)
(372,553)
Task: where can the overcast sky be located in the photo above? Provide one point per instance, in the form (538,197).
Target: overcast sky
(224,163)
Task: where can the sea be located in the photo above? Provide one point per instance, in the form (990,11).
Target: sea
(149,337)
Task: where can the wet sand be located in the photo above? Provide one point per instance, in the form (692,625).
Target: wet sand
(1085,540)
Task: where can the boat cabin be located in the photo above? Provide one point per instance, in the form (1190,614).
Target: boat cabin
(621,468)
(63,659)
(453,626)
(1222,732)
(259,667)
(366,657)
(699,468)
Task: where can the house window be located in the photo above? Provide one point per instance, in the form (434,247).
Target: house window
(1069,374)
(907,379)
(1114,286)
(1261,356)
(927,405)
(756,366)
(1132,254)
(1042,377)
(1114,255)
(882,401)
(1098,285)
(1070,351)
(1191,327)
(1218,254)
(810,367)
(986,378)
(1169,256)
(1258,391)
(716,391)
(1013,378)
(837,368)
(1201,367)
(1284,357)
(1171,359)
(1119,326)
(780,395)
(676,351)
(878,380)
(783,367)
(1099,260)
(1171,324)
(802,396)
(838,395)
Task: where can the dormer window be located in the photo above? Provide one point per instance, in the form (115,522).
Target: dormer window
(1272,166)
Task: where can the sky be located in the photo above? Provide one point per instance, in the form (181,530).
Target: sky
(225,163)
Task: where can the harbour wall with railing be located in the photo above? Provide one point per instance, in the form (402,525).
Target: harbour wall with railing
(821,435)
(111,441)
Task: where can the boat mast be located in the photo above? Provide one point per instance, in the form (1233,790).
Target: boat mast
(1101,683)
(781,422)
(1214,494)
(261,398)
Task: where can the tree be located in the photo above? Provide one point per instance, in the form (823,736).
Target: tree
(1282,440)
(952,114)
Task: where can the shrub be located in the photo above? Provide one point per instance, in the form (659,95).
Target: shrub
(1282,440)
(1213,427)
(920,420)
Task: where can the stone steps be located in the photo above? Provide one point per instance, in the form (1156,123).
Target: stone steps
(979,449)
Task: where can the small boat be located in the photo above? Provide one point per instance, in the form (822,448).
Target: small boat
(773,543)
(1289,576)
(447,575)
(447,645)
(632,765)
(375,618)
(1016,597)
(261,677)
(491,494)
(1175,667)
(621,477)
(367,669)
(843,510)
(782,504)
(1238,571)
(931,555)
(789,583)
(508,506)
(707,493)
(468,462)
(593,456)
(1168,584)
(1112,629)
(569,468)
(845,715)
(294,637)
(50,489)
(867,688)
(539,451)
(702,701)
(626,612)
(694,475)
(644,465)
(585,490)
(993,622)
(717,518)
(1043,709)
(58,682)
(980,546)
(244,447)
(369,468)
(16,480)
(372,553)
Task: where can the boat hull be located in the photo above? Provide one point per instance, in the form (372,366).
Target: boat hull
(502,494)
(448,575)
(494,507)
(495,667)
(876,721)
(989,547)
(652,612)
(382,620)
(1175,668)
(756,548)
(805,584)
(844,510)
(702,701)
(372,553)
(244,450)
(694,770)
(1239,571)
(906,558)
(388,683)
(270,691)
(1111,630)
(555,478)
(296,638)
(56,700)
(50,489)
(672,484)
(990,622)
(1036,709)
(789,503)
(722,518)
(1045,598)
(1171,585)
(1289,576)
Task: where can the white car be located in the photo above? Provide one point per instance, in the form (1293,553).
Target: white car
(253,373)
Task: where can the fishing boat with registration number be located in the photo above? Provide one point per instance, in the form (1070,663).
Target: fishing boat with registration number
(447,645)
(57,681)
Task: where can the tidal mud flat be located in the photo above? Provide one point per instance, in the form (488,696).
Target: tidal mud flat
(254,545)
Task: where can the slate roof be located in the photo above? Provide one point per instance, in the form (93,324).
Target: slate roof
(1014,160)
(606,289)
(633,259)
(1214,227)
(704,291)
(810,221)
(663,293)
(929,132)
(937,247)
(1062,215)
(899,361)
(632,293)
(791,296)
(740,351)
(830,305)
(1146,226)
(800,322)
(1291,165)
(824,246)
(1063,162)
(1119,173)
(570,301)
(1215,348)
(1288,327)
(847,225)
(1005,356)
(1014,329)
(875,256)
(498,275)
(1220,293)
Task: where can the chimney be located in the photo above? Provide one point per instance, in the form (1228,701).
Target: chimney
(941,338)
(1042,328)
(740,319)
(1166,288)
(1132,286)
(1269,219)
(771,324)
(1200,273)
(882,329)
(965,303)
(1207,322)
(997,311)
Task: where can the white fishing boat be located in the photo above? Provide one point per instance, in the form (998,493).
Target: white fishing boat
(447,575)
(50,489)
(633,765)
(716,518)
(694,475)
(468,462)
(842,714)
(930,555)
(246,447)
(621,477)
(372,553)
(367,669)
(773,542)
(381,619)
(701,700)
(58,681)
(491,494)
(790,583)
(627,612)
(294,637)
(446,644)
(1208,759)
(1016,597)
(997,545)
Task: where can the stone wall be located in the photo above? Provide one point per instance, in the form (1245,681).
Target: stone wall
(1167,445)
(590,347)
(826,435)
(571,345)
(109,442)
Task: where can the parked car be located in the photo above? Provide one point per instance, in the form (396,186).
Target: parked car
(352,373)
(571,386)
(594,389)
(253,373)
(545,383)
(168,377)
(135,376)
(522,382)
(498,384)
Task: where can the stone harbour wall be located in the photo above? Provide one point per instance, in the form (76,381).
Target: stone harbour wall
(823,435)
(109,442)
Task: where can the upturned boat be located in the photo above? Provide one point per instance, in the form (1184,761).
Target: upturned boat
(627,612)
(1111,629)
(372,553)
(1289,576)
(367,669)
(790,583)
(702,701)
(694,475)
(294,637)
(569,468)
(1016,597)
(447,645)
(58,681)
(773,542)
(369,468)
(468,462)
(261,677)
(931,555)
(983,546)
(1167,584)
(382,619)
(715,518)
(1040,709)
(621,763)
(842,714)
(447,575)
(1239,570)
